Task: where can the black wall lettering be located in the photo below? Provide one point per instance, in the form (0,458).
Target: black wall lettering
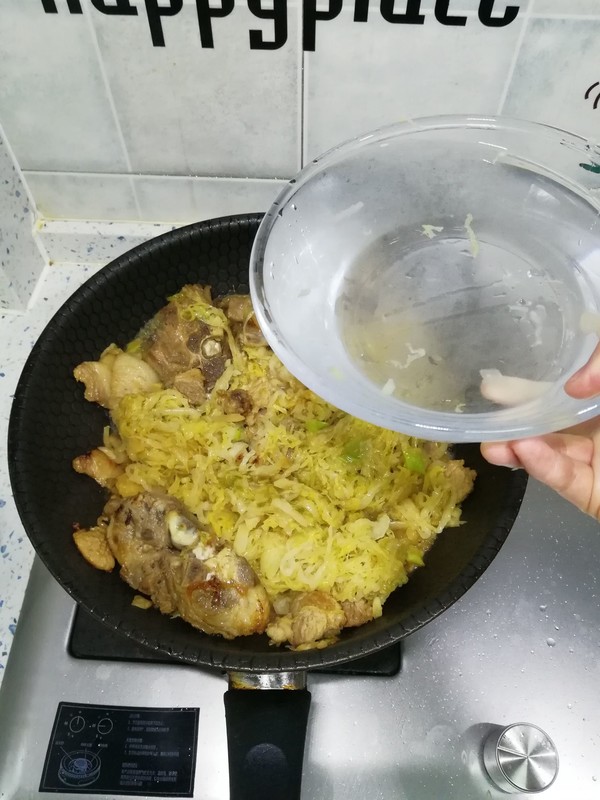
(155,12)
(441,14)
(280,31)
(205,18)
(485,14)
(410,17)
(310,15)
(122,7)
(361,11)
(74,6)
(492,14)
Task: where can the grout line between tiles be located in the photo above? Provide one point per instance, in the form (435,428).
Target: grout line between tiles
(515,58)
(193,178)
(302,90)
(138,207)
(113,108)
(571,17)
(109,93)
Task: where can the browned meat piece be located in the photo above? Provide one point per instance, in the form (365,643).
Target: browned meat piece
(191,384)
(461,479)
(173,343)
(98,466)
(313,616)
(185,570)
(93,546)
(239,311)
(115,375)
(96,377)
(238,401)
(251,333)
(237,307)
(434,449)
(357,612)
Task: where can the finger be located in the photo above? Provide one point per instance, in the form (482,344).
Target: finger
(588,429)
(572,479)
(501,454)
(586,381)
(579,448)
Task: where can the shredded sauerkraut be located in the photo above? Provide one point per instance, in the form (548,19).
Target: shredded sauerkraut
(241,501)
(313,498)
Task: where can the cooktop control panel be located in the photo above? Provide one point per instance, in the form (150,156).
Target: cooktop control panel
(121,750)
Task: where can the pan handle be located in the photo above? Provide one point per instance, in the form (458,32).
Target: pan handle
(266,719)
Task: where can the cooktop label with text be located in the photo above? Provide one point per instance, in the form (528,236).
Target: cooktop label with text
(122,750)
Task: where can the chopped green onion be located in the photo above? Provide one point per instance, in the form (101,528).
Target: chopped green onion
(414,556)
(134,346)
(238,434)
(414,461)
(315,425)
(353,450)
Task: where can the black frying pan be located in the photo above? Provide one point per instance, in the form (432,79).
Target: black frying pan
(51,423)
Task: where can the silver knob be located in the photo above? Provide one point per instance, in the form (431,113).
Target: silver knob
(520,758)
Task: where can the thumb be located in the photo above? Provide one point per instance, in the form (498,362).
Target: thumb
(586,381)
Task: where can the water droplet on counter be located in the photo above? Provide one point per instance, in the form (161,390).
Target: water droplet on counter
(569,705)
(594,778)
(543,608)
(550,642)
(556,628)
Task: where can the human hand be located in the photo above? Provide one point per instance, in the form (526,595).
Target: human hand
(568,461)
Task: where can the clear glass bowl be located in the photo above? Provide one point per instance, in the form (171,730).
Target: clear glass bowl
(440,277)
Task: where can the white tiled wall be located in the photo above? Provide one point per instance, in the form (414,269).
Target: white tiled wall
(53,99)
(185,110)
(562,7)
(106,126)
(385,73)
(557,62)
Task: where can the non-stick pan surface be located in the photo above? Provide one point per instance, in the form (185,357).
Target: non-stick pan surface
(51,423)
